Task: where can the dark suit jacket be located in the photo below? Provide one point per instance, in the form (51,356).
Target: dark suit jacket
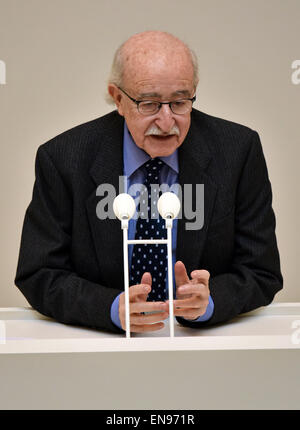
(71,265)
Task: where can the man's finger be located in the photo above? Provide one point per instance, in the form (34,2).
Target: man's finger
(138,289)
(192,302)
(138,307)
(146,278)
(196,289)
(189,313)
(141,319)
(201,275)
(181,275)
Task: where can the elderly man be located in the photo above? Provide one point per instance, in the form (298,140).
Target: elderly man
(70,264)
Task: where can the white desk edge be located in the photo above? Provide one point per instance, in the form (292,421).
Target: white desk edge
(109,342)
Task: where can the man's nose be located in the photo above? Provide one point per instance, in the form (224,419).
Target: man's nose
(165,118)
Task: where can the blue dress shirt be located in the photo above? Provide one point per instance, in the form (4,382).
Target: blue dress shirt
(134,158)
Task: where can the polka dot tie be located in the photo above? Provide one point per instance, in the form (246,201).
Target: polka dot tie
(150,225)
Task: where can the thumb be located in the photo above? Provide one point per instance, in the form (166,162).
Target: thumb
(181,275)
(146,278)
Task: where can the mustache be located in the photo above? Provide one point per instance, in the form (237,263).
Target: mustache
(155,131)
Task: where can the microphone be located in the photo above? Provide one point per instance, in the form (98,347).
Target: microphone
(124,207)
(168,205)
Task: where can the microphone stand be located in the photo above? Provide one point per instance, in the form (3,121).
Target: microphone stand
(168,242)
(168,206)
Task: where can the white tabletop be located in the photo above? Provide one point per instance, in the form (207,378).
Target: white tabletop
(251,362)
(277,326)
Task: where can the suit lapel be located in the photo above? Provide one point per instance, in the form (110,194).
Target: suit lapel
(194,160)
(107,233)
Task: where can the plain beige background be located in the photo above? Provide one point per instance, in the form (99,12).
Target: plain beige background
(58,56)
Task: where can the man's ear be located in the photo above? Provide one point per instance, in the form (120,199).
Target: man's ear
(115,93)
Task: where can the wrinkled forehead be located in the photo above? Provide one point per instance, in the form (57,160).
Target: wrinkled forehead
(156,62)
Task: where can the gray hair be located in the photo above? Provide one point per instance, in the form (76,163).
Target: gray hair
(116,73)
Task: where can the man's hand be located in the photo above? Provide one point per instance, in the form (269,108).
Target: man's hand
(192,295)
(138,304)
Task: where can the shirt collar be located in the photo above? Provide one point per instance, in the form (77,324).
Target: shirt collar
(134,157)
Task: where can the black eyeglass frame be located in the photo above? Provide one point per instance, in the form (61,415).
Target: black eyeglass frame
(137,102)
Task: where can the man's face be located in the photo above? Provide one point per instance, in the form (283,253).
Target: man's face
(159,82)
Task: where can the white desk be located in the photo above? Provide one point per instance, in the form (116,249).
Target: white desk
(251,362)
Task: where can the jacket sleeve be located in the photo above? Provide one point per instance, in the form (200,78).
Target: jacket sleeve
(254,276)
(45,274)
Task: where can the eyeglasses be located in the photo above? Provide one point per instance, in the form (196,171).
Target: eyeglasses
(151,107)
